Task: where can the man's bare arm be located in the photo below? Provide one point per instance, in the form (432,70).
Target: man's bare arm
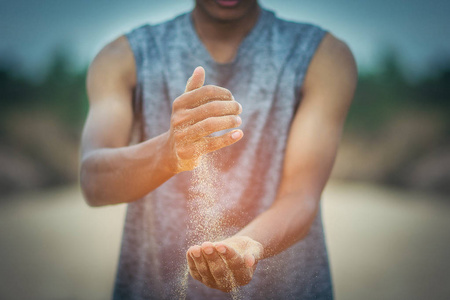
(311,150)
(113,172)
(312,146)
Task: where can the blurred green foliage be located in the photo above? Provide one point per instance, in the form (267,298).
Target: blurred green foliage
(61,93)
(382,94)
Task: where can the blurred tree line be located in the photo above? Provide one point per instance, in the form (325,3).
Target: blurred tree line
(61,92)
(383,93)
(40,122)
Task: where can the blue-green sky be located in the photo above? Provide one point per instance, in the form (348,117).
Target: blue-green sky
(32,29)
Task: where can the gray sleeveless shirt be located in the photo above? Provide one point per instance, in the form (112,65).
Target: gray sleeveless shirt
(265,77)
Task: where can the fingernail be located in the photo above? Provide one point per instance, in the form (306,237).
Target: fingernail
(196,253)
(222,249)
(251,262)
(209,250)
(235,135)
(239,120)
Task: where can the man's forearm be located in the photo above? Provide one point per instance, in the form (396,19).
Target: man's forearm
(284,223)
(119,175)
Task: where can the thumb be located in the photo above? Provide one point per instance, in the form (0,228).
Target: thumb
(196,80)
(253,255)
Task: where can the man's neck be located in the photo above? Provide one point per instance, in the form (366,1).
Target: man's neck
(222,39)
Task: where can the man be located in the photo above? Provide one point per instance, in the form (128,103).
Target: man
(294,84)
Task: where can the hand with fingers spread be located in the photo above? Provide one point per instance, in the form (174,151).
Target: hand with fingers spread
(225,265)
(196,114)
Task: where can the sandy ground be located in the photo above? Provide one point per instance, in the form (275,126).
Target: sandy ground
(383,244)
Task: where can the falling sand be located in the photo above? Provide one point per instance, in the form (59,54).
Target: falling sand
(205,215)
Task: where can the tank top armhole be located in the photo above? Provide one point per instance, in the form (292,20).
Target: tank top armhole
(136,39)
(307,49)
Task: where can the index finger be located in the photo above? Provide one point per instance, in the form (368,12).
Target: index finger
(192,268)
(204,95)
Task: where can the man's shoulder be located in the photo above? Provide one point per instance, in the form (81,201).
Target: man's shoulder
(114,62)
(333,66)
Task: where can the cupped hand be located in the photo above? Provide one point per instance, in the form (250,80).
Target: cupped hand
(225,265)
(196,114)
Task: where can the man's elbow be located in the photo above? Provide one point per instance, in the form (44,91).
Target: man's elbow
(92,192)
(92,201)
(89,192)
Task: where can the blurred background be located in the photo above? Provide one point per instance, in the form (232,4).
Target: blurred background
(386,208)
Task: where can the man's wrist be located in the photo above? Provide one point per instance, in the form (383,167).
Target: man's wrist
(168,160)
(249,243)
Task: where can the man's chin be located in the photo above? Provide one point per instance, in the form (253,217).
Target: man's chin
(225,11)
